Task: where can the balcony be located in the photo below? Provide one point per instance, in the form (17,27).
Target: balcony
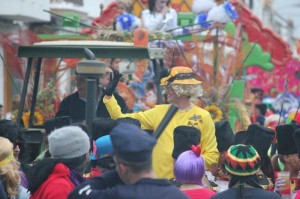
(25,10)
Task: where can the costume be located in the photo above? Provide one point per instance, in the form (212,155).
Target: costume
(288,144)
(243,162)
(184,137)
(251,193)
(156,21)
(57,186)
(261,145)
(150,119)
(199,193)
(109,186)
(74,106)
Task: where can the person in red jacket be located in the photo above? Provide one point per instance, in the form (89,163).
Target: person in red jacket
(56,177)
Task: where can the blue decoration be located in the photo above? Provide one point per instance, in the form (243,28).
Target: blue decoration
(185,31)
(230,10)
(202,21)
(126,20)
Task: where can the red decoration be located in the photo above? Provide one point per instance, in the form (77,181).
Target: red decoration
(270,41)
(196,150)
(144,1)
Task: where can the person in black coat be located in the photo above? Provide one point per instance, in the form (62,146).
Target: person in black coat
(74,104)
(3,194)
(134,176)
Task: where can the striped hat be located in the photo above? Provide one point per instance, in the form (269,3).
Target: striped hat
(242,160)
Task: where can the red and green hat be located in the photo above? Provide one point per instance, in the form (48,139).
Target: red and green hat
(242,160)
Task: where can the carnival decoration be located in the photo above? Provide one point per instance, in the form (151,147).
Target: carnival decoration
(215,112)
(218,54)
(38,118)
(126,21)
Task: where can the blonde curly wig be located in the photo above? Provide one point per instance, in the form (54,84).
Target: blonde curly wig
(190,90)
(9,167)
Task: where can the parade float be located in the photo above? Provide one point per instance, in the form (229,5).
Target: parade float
(223,55)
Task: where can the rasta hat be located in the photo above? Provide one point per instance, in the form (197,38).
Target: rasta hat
(285,139)
(180,75)
(242,160)
(184,138)
(224,135)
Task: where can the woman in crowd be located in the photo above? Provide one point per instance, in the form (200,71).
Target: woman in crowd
(189,169)
(10,130)
(9,172)
(9,169)
(242,163)
(159,16)
(56,177)
(180,86)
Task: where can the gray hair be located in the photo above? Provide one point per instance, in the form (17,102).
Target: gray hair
(191,90)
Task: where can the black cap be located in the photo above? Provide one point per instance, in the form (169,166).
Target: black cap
(224,135)
(260,138)
(128,120)
(132,144)
(240,137)
(262,108)
(57,122)
(297,139)
(256,90)
(102,127)
(184,138)
(285,139)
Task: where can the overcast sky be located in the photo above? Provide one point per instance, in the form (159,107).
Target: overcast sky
(289,9)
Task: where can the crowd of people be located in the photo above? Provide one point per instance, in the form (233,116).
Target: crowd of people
(193,158)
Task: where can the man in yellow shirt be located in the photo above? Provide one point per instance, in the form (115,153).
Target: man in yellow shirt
(180,86)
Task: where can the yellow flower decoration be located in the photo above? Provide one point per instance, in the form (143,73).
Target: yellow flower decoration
(215,112)
(37,120)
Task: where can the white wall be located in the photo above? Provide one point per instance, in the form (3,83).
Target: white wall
(1,78)
(25,10)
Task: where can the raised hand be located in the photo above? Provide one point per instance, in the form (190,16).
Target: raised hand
(114,79)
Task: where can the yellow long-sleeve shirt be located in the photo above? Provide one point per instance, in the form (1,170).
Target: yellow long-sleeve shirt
(162,153)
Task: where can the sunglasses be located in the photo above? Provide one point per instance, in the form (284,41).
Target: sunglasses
(18,143)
